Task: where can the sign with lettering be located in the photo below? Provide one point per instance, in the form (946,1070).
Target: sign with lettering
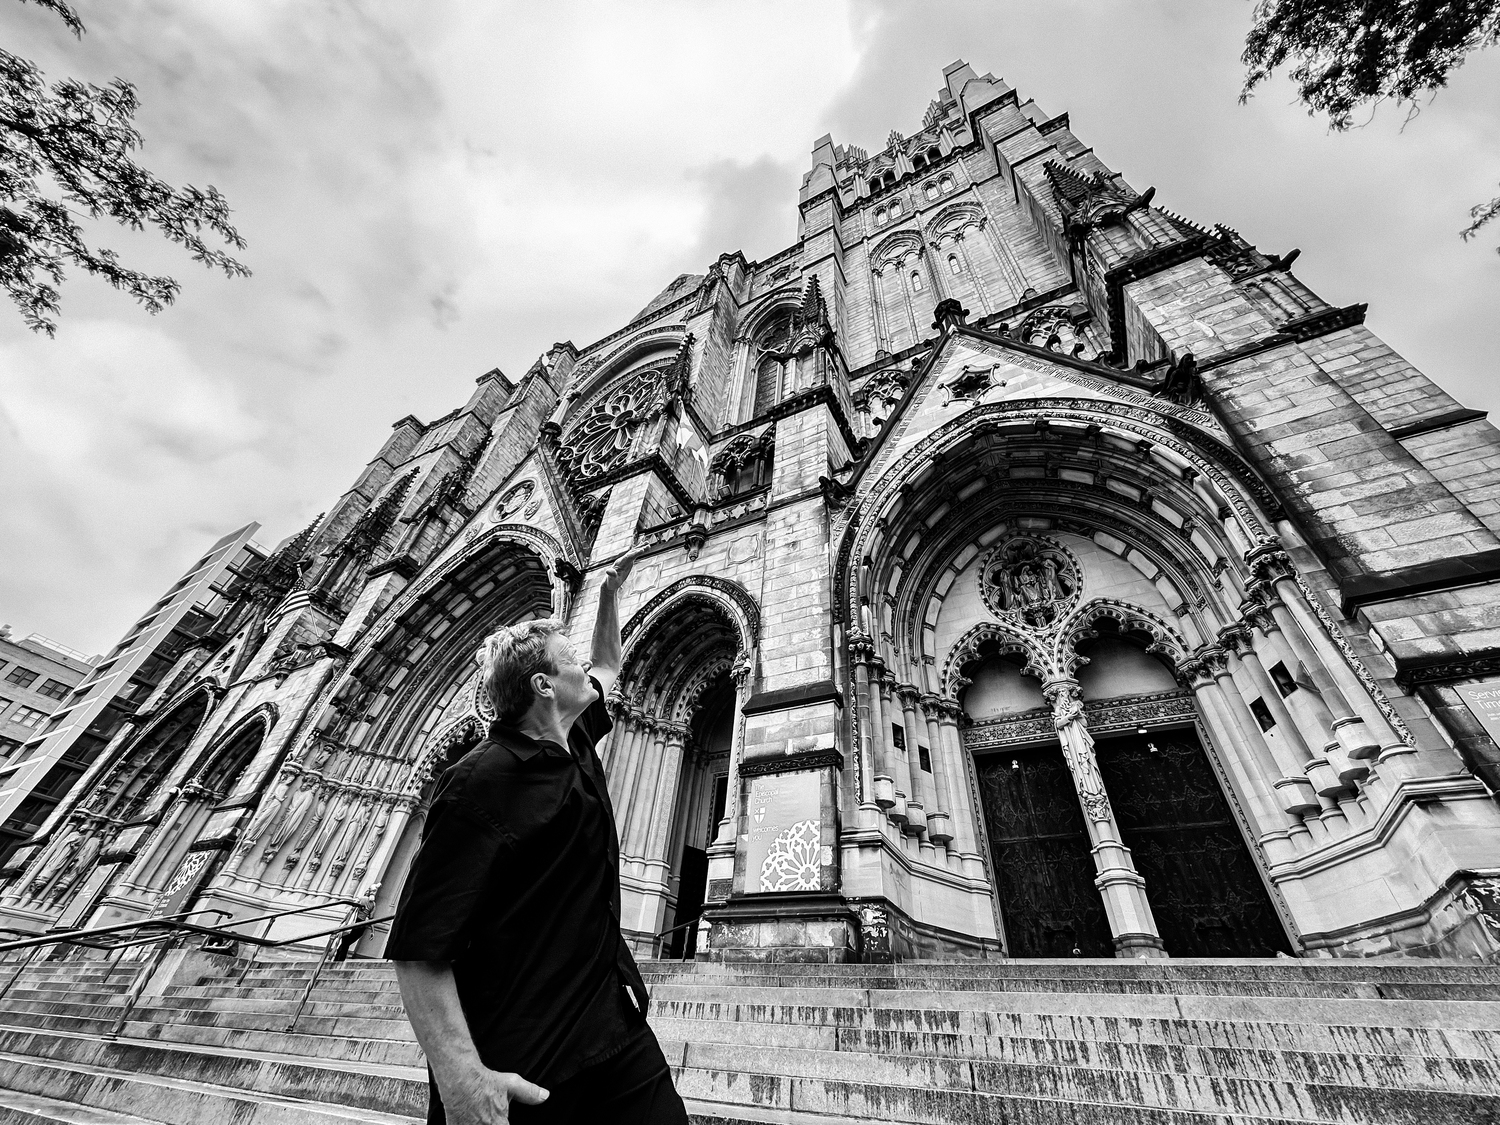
(784,849)
(1484,700)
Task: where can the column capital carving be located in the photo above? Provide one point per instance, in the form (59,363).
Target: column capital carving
(861,647)
(1235,638)
(1193,673)
(909,694)
(1258,616)
(1269,562)
(1214,658)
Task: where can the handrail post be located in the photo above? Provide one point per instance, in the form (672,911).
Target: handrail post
(138,986)
(25,963)
(312,981)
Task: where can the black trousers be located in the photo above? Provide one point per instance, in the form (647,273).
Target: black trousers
(631,1088)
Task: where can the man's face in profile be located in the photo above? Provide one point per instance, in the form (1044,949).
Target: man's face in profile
(571,680)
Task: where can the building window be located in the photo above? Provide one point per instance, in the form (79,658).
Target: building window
(953,266)
(880,217)
(946,184)
(1262,714)
(1283,679)
(924,756)
(916,282)
(21,677)
(8,746)
(895,207)
(53,689)
(27,716)
(931,191)
(898,737)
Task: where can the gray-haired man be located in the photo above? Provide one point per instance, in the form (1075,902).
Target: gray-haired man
(521,989)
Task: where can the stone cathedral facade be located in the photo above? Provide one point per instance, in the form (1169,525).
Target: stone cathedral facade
(1030,571)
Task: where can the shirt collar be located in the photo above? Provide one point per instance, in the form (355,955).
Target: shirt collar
(523,746)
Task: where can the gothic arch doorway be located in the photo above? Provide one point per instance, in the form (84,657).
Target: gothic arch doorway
(668,762)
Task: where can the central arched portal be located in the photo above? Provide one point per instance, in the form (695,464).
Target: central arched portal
(1204,888)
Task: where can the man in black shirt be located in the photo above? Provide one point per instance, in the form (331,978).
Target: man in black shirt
(521,989)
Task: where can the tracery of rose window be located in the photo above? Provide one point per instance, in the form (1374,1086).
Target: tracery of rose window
(602,439)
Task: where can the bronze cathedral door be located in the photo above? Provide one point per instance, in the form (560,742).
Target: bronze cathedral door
(1204,887)
(1039,851)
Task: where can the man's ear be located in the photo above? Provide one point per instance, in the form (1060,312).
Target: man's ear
(541,686)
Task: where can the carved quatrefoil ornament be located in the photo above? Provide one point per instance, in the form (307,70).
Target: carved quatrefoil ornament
(1030,580)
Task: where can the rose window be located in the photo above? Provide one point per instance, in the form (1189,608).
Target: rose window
(602,439)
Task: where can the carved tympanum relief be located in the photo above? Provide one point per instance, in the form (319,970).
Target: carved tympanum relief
(1030,580)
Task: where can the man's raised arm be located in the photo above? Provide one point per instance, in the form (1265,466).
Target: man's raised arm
(604,658)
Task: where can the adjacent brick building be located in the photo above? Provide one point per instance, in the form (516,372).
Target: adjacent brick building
(1030,571)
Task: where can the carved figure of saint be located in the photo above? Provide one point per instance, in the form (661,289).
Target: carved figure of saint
(1030,583)
(1052,583)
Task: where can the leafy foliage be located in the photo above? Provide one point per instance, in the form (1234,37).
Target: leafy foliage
(65,155)
(1351,53)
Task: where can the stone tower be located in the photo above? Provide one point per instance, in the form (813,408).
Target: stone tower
(1030,571)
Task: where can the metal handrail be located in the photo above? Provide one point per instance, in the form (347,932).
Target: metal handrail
(174,926)
(656,941)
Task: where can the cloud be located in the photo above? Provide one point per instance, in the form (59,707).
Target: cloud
(433,190)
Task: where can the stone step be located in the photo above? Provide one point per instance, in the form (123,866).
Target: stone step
(363,1086)
(17,1108)
(1391,1072)
(175,1101)
(899,1087)
(87,1016)
(1055,1099)
(723,999)
(1425,1048)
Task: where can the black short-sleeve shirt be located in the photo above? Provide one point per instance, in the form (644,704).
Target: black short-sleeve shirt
(517,884)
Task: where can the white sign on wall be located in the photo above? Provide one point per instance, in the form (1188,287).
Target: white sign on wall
(784,849)
(1484,700)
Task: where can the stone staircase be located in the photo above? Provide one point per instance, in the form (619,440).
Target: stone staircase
(1102,1042)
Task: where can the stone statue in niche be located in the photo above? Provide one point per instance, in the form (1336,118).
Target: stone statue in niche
(1029,580)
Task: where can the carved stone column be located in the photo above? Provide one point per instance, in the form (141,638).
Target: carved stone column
(1122,887)
(729,826)
(643,796)
(1274,567)
(923,786)
(940,818)
(1310,708)
(915,817)
(886,772)
(1241,737)
(882,789)
(1294,791)
(965,831)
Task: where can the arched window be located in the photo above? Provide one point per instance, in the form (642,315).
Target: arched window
(946,183)
(920,162)
(880,217)
(770,346)
(953,264)
(767,382)
(931,191)
(888,179)
(896,207)
(916,282)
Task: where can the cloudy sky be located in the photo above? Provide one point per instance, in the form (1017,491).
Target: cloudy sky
(431,190)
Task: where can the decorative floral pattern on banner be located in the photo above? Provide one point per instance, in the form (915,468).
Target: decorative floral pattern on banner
(792,863)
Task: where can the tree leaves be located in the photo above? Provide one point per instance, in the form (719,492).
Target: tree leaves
(65,155)
(1353,53)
